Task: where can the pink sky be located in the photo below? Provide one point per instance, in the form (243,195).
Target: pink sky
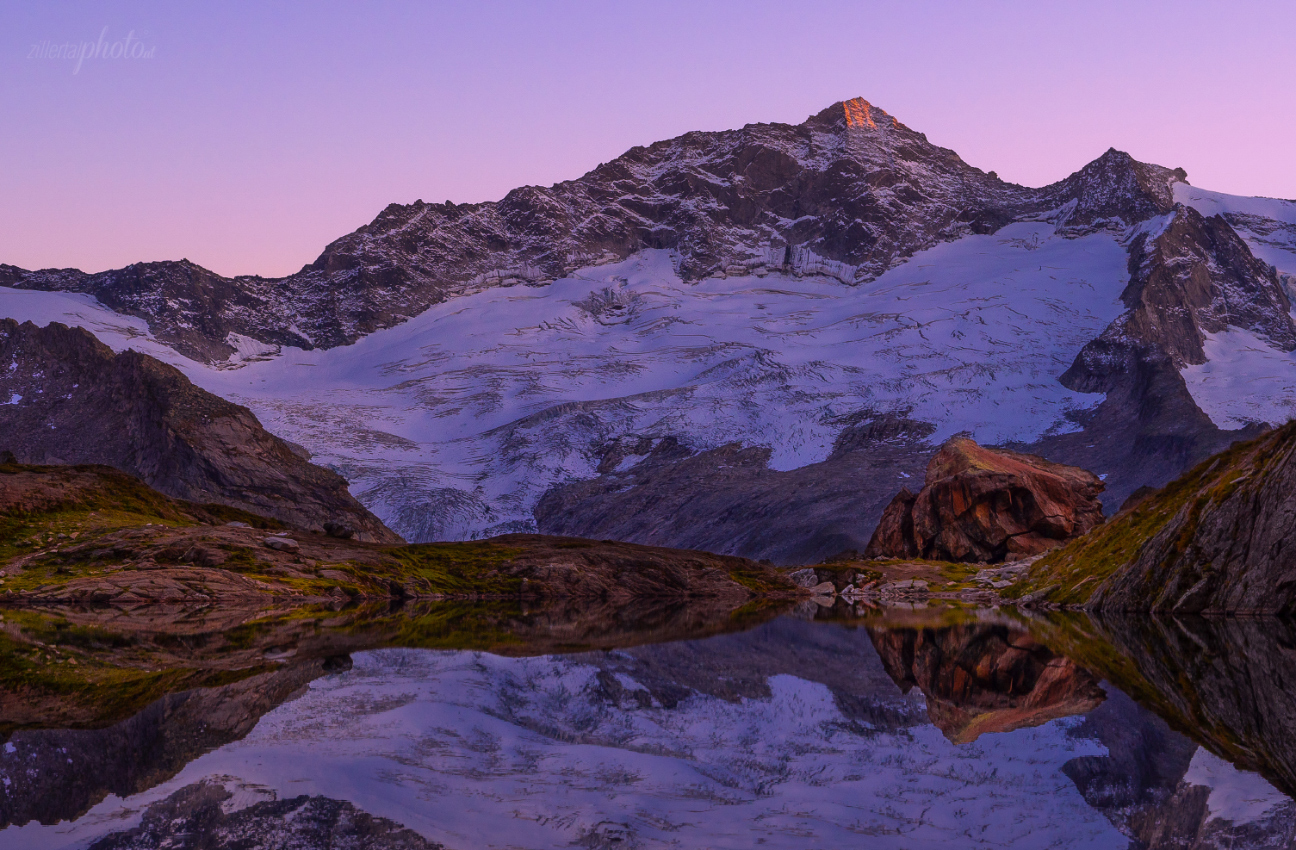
(254,134)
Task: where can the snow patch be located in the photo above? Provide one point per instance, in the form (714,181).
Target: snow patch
(1245,380)
(247,349)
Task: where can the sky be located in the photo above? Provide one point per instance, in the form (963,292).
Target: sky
(247,136)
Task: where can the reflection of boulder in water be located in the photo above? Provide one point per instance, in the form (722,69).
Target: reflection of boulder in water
(1145,786)
(985,678)
(196,818)
(51,775)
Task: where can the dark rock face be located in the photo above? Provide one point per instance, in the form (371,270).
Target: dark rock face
(73,401)
(980,679)
(985,505)
(1147,432)
(848,193)
(728,500)
(193,819)
(1219,539)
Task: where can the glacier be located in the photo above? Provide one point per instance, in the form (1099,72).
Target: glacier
(452,424)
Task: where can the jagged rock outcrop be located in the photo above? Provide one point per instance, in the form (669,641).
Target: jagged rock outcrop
(1195,277)
(985,678)
(1218,539)
(1190,276)
(987,505)
(848,193)
(71,400)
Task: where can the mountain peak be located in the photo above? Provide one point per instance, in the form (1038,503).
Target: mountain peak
(855,114)
(859,113)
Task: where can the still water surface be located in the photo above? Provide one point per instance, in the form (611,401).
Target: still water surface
(967,731)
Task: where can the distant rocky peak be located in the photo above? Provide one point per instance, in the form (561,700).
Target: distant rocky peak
(1115,190)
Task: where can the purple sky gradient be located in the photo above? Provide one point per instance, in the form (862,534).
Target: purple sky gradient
(259,132)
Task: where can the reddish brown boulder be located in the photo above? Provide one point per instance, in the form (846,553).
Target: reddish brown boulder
(985,505)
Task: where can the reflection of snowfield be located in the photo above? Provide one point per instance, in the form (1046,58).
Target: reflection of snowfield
(454,423)
(1235,795)
(478,751)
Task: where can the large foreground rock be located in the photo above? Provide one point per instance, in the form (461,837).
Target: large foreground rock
(984,505)
(70,400)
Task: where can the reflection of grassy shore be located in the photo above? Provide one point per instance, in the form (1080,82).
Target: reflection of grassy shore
(89,666)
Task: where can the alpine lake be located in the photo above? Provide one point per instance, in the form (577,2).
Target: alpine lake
(495,725)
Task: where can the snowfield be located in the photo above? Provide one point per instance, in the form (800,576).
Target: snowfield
(453,424)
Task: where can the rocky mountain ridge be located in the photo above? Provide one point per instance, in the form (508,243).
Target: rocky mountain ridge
(848,194)
(703,329)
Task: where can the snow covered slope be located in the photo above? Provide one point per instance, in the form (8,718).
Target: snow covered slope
(454,423)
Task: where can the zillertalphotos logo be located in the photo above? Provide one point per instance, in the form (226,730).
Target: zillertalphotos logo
(127,48)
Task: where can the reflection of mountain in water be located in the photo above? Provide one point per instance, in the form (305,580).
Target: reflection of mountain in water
(1225,683)
(1222,683)
(205,816)
(740,666)
(790,734)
